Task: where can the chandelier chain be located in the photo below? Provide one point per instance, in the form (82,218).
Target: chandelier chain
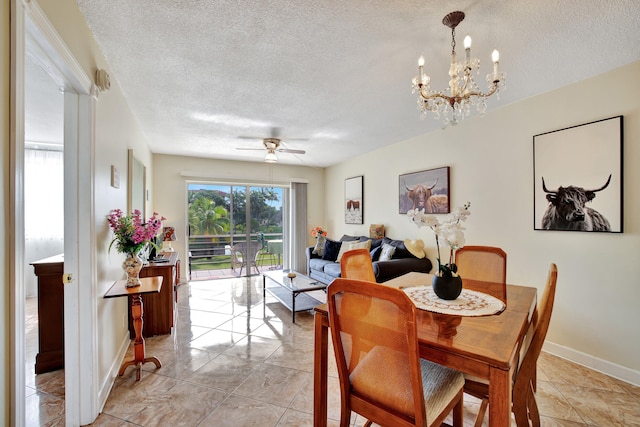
(453,41)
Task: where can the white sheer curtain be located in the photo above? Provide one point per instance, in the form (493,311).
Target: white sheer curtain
(44,194)
(43,210)
(298,226)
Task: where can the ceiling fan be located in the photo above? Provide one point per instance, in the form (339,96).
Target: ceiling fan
(271,145)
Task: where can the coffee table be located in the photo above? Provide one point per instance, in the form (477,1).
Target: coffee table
(291,292)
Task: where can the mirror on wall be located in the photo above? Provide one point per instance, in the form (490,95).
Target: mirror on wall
(137,185)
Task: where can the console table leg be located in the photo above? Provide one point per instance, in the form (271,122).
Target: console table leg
(138,347)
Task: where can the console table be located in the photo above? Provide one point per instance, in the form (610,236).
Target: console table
(50,314)
(148,286)
(159,307)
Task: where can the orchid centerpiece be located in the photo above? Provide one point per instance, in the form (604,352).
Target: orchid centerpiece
(450,232)
(131,234)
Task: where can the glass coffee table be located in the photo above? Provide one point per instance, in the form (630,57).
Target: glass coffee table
(291,291)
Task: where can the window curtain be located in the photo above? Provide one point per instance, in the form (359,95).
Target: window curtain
(299,226)
(44,194)
(43,209)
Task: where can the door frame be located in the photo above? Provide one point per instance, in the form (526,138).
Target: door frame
(30,28)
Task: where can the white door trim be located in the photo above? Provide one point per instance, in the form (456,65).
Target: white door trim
(31,29)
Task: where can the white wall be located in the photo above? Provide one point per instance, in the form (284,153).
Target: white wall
(596,317)
(171,174)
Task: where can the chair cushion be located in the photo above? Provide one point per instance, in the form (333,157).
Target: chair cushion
(383,375)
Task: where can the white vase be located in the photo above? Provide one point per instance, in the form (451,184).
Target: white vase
(132,266)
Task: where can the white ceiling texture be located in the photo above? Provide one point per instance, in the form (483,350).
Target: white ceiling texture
(198,75)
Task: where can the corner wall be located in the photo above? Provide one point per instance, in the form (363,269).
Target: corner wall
(595,319)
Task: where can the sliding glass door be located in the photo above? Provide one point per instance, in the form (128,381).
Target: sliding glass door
(235,230)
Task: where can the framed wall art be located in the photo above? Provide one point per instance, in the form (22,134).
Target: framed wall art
(137,184)
(577,175)
(354,200)
(428,190)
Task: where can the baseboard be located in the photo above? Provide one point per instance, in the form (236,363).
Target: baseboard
(107,384)
(608,368)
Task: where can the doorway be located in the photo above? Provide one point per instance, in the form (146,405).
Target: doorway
(235,230)
(33,36)
(44,240)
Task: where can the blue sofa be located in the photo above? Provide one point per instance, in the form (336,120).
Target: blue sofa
(401,262)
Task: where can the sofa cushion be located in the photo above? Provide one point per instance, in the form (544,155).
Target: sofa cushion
(331,250)
(347,246)
(319,263)
(319,248)
(401,251)
(387,252)
(332,269)
(375,253)
(376,243)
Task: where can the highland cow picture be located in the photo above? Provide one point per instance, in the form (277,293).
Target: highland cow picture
(353,200)
(577,173)
(426,190)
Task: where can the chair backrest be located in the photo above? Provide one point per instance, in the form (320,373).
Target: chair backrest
(375,341)
(356,264)
(485,263)
(523,405)
(240,254)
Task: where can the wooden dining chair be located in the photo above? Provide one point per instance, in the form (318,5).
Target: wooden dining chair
(524,406)
(485,263)
(382,377)
(356,264)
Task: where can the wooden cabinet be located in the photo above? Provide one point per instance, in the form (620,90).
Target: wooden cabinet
(50,314)
(159,309)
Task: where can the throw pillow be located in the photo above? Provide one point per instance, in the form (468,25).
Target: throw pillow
(347,246)
(375,253)
(387,252)
(319,248)
(331,250)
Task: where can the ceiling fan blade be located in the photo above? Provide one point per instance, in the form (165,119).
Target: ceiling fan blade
(250,137)
(286,150)
(249,149)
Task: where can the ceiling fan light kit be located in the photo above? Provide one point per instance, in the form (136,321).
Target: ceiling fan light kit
(272,145)
(271,157)
(463,90)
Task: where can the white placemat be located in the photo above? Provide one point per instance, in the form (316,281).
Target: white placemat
(469,303)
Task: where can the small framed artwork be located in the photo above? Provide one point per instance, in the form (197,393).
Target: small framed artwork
(577,175)
(354,200)
(428,190)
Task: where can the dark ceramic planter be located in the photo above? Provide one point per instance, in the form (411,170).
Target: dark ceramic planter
(447,287)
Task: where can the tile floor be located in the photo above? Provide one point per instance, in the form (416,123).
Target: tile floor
(226,364)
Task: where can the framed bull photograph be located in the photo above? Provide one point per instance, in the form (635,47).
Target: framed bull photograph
(428,190)
(354,200)
(577,175)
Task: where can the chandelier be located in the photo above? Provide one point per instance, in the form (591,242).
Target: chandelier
(463,90)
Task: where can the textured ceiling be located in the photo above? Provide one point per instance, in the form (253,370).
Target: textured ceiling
(200,74)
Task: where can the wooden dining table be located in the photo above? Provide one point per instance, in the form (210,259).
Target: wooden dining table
(484,346)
